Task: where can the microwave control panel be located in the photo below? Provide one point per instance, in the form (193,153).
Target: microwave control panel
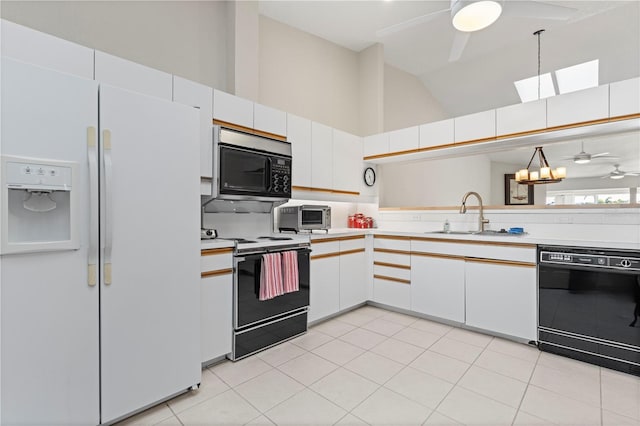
(281,175)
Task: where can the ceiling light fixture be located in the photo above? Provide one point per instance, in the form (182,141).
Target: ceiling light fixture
(474,15)
(544,175)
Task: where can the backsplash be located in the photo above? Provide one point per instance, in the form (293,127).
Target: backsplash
(620,225)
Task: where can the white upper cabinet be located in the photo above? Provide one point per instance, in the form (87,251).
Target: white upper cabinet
(132,76)
(436,133)
(199,96)
(299,134)
(578,107)
(376,144)
(232,109)
(404,139)
(624,97)
(480,125)
(321,156)
(521,117)
(35,47)
(269,120)
(347,161)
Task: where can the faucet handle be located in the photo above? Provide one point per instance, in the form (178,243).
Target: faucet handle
(485,220)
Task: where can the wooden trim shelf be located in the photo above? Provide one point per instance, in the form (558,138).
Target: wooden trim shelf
(353,251)
(502,137)
(392,265)
(327,190)
(333,239)
(216,273)
(392,251)
(325,255)
(392,237)
(216,251)
(249,130)
(438,255)
(475,242)
(518,207)
(397,280)
(501,262)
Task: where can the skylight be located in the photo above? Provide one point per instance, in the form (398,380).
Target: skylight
(528,88)
(578,77)
(567,80)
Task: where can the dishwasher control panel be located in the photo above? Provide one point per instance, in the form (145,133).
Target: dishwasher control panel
(593,260)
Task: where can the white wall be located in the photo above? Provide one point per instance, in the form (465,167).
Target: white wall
(407,102)
(244,67)
(308,76)
(436,182)
(371,70)
(186,38)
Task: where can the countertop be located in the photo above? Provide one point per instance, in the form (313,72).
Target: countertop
(526,239)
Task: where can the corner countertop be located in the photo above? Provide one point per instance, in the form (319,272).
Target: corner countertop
(215,244)
(525,239)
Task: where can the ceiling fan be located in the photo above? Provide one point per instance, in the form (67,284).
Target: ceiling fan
(584,157)
(619,174)
(473,15)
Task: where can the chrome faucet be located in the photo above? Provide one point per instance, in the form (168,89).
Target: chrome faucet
(463,209)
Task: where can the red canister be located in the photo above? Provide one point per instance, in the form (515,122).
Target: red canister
(351,222)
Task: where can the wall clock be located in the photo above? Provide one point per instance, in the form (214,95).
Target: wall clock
(369,176)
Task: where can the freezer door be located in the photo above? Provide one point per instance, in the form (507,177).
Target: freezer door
(49,323)
(150,278)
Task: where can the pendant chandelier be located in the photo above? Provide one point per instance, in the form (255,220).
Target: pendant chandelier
(543,175)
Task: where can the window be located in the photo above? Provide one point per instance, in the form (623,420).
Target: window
(589,196)
(567,80)
(528,88)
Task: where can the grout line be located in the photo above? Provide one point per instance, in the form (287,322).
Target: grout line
(174,414)
(527,387)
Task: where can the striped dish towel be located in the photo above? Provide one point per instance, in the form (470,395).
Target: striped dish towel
(270,276)
(290,271)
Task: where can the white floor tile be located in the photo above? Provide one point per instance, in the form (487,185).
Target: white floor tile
(307,368)
(260,421)
(171,421)
(584,388)
(437,419)
(150,416)
(441,366)
(372,311)
(568,365)
(338,352)
(356,318)
(420,387)
(613,419)
(472,409)
(398,351)
(399,318)
(385,407)
(524,419)
(345,388)
(507,365)
(621,393)
(431,327)
(362,338)
(383,326)
(559,409)
(306,408)
(417,337)
(334,327)
(281,353)
(234,373)
(470,337)
(228,408)
(269,389)
(456,349)
(351,420)
(210,386)
(493,385)
(374,367)
(514,349)
(311,340)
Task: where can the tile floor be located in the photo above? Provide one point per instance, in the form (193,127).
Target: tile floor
(376,367)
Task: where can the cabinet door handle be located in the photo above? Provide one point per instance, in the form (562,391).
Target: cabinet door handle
(108,220)
(92,156)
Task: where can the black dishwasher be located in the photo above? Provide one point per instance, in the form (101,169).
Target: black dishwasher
(589,305)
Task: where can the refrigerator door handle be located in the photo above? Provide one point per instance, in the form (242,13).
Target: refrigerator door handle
(92,154)
(108,175)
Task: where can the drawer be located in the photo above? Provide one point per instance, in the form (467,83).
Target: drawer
(216,262)
(352,244)
(395,258)
(399,243)
(482,250)
(392,293)
(319,247)
(393,272)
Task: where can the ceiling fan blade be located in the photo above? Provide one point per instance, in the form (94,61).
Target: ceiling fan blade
(459,43)
(392,29)
(602,154)
(632,174)
(534,9)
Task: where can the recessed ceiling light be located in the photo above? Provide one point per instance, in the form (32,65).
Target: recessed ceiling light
(474,15)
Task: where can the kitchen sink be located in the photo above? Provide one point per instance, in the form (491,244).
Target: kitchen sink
(501,233)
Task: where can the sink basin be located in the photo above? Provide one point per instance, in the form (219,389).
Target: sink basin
(452,232)
(486,232)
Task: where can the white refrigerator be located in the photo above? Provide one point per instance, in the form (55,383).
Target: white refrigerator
(99,265)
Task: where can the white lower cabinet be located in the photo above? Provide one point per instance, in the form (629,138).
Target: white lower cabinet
(392,293)
(437,287)
(501,298)
(353,289)
(325,287)
(216,303)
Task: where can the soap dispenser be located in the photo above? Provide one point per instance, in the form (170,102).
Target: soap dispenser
(447,226)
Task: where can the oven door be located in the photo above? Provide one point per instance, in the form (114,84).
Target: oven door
(592,310)
(248,309)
